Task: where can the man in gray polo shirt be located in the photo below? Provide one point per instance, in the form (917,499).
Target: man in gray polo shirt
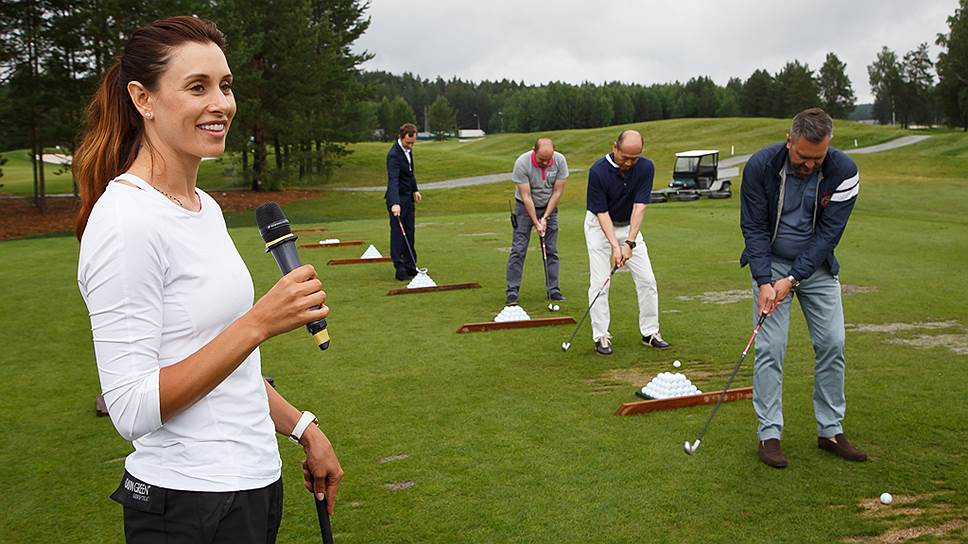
(539,181)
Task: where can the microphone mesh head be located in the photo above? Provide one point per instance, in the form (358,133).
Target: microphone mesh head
(272,222)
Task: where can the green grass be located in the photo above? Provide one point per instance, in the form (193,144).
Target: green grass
(511,440)
(436,161)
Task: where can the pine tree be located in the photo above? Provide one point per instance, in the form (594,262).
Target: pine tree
(836,93)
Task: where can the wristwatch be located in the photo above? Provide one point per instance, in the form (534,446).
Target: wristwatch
(794,283)
(631,243)
(307,419)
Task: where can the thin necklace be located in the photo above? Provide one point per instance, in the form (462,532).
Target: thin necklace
(173,198)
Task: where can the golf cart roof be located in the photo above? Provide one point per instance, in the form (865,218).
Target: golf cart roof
(698,153)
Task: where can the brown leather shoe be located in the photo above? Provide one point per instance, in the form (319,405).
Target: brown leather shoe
(771,453)
(841,447)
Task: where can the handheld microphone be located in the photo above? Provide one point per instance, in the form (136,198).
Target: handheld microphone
(281,242)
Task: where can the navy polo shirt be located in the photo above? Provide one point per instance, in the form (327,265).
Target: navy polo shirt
(610,190)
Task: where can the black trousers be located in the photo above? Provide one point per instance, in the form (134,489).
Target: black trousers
(402,260)
(155,515)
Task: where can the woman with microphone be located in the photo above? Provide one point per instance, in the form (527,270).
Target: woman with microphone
(176,334)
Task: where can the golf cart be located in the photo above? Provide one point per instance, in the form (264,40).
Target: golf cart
(695,174)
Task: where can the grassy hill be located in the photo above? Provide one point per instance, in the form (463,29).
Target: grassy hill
(366,165)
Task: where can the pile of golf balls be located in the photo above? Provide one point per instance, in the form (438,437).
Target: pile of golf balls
(667,385)
(512,313)
(421,280)
(886,498)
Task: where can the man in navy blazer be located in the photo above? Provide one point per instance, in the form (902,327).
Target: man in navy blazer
(401,195)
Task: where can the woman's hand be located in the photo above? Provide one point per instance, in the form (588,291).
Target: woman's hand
(321,469)
(289,304)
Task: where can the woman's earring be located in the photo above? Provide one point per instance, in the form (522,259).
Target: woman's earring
(148,114)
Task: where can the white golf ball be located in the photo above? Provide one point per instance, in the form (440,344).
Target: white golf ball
(886,498)
(677,363)
(556,307)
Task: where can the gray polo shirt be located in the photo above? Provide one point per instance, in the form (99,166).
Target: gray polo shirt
(796,218)
(525,171)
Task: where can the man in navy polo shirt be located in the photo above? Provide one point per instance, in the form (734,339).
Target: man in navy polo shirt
(619,187)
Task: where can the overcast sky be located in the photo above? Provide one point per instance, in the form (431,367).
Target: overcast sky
(644,41)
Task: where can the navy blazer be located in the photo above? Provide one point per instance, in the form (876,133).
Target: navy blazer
(401,183)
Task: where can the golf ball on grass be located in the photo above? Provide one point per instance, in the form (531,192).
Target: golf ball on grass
(886,498)
(555,308)
(677,363)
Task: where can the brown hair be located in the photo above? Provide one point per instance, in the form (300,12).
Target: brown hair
(813,124)
(406,129)
(114,130)
(541,140)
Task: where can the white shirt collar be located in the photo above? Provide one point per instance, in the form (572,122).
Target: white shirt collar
(608,157)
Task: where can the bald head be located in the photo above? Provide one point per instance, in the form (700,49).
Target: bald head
(627,149)
(544,151)
(629,142)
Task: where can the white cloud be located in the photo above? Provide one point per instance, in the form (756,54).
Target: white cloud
(644,41)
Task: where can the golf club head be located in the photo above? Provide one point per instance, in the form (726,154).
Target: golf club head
(690,448)
(565,346)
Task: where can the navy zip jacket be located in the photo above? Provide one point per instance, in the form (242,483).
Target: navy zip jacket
(401,182)
(761,197)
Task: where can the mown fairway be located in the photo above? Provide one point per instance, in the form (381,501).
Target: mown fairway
(507,438)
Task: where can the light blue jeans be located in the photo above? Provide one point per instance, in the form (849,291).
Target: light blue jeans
(820,301)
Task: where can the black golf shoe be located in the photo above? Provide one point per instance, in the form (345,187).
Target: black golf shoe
(511,300)
(655,341)
(603,346)
(557,297)
(402,275)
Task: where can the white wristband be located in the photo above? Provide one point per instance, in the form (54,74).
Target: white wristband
(304,422)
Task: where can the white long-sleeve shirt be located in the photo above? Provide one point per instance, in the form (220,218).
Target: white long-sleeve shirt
(160,282)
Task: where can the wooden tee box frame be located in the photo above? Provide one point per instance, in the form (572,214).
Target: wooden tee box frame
(643,406)
(335,244)
(444,287)
(359,261)
(517,324)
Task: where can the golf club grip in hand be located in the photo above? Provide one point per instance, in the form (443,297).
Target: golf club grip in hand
(324,528)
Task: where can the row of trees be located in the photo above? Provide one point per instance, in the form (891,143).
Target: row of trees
(296,79)
(499,106)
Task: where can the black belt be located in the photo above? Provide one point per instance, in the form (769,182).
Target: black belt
(620,223)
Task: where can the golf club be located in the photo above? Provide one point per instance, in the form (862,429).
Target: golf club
(325,530)
(691,448)
(566,345)
(544,259)
(406,242)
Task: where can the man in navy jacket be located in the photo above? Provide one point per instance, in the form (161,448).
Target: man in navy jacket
(401,195)
(796,200)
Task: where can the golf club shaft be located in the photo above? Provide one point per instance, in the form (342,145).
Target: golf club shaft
(589,309)
(326,531)
(544,260)
(729,382)
(406,241)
